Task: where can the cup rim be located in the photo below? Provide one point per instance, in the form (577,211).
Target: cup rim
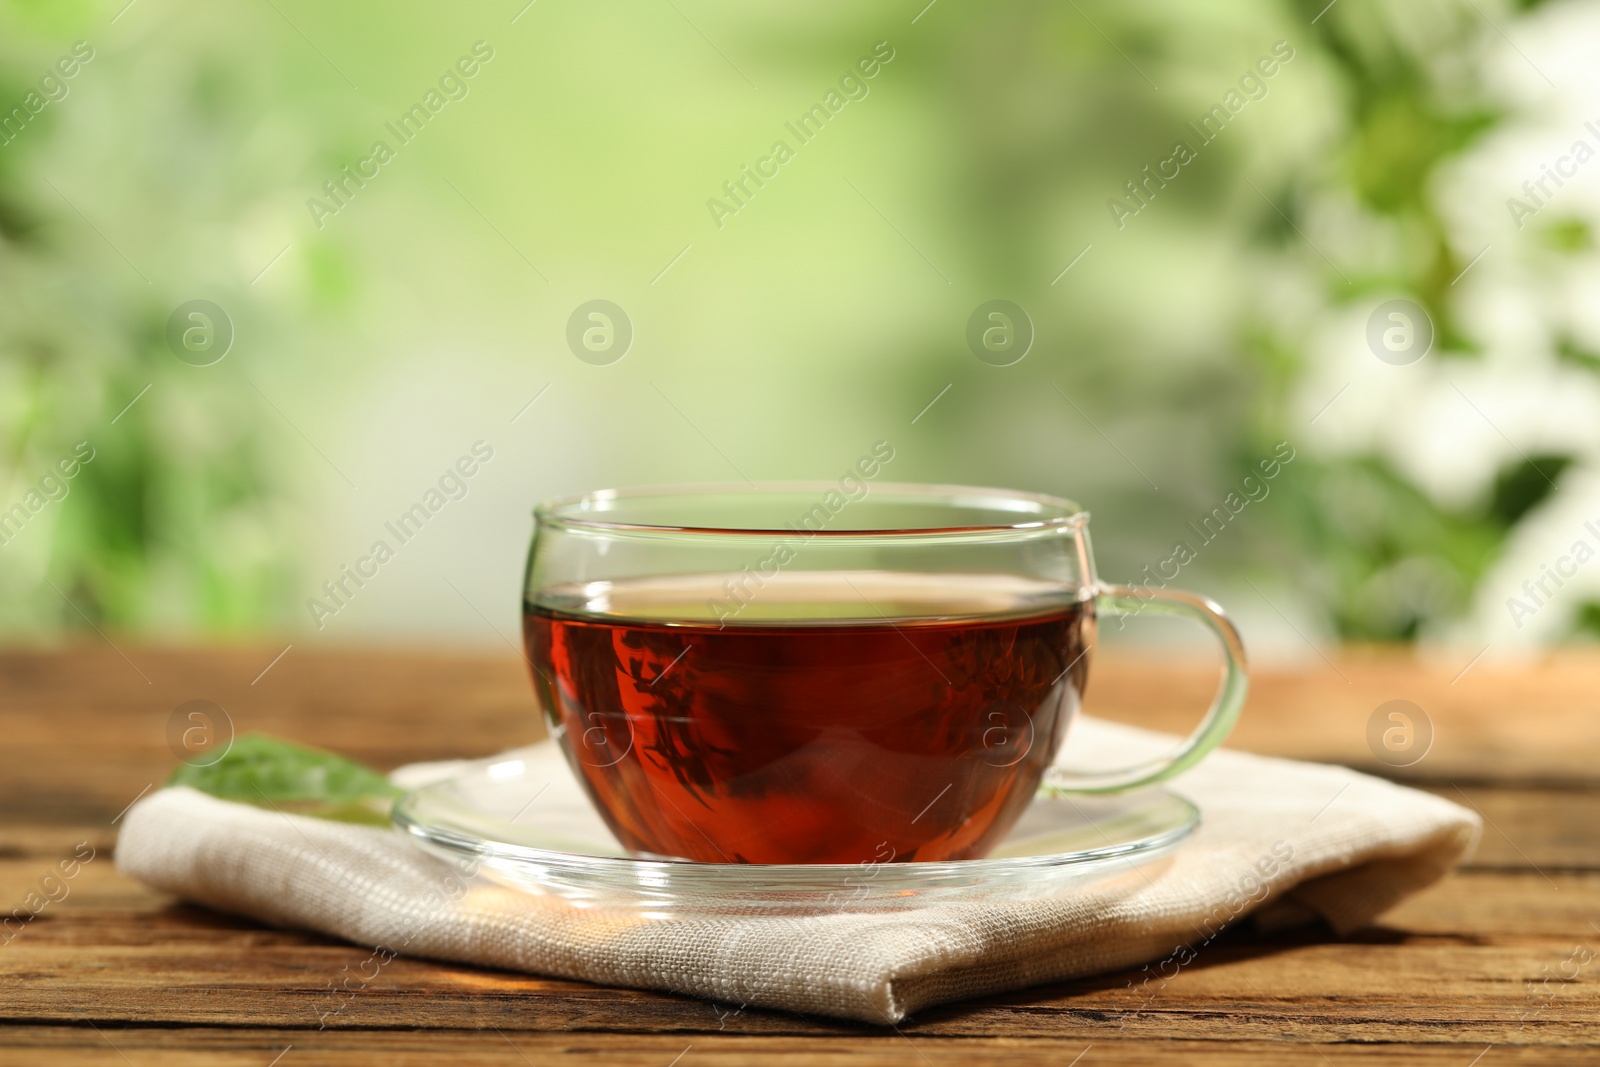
(576,511)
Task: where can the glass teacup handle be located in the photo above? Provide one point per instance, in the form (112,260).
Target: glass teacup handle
(1115,600)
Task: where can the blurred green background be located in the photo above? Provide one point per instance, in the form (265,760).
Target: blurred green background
(1174,348)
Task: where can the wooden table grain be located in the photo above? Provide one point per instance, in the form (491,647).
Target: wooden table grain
(1497,964)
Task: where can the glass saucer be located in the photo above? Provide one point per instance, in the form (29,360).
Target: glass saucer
(526,823)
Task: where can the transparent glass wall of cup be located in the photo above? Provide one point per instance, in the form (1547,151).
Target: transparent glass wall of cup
(845,672)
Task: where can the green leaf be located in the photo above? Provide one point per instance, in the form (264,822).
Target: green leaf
(270,772)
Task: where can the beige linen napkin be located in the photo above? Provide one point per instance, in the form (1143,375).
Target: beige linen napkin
(1279,840)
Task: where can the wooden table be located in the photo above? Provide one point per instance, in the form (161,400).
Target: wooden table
(114,973)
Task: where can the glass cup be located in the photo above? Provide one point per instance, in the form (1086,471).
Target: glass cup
(842,672)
